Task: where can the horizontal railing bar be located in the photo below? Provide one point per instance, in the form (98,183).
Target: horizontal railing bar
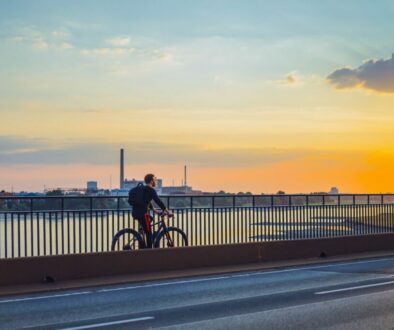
(293,206)
(194,207)
(194,196)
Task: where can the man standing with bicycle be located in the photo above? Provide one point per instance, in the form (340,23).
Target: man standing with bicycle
(141,198)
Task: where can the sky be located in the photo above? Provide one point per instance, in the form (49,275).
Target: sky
(255,96)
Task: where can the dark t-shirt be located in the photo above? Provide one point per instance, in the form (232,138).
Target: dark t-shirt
(149,195)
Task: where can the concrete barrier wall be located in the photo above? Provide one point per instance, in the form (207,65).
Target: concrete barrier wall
(81,266)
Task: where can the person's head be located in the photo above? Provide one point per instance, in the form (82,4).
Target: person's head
(150,179)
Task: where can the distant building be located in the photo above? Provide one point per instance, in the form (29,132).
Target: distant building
(28,194)
(334,191)
(91,186)
(119,192)
(129,184)
(5,193)
(176,190)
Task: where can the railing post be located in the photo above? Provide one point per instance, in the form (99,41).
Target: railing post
(62,222)
(31,226)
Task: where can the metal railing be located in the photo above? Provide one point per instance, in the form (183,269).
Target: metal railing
(34,226)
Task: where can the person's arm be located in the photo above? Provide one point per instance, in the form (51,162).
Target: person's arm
(158,201)
(150,207)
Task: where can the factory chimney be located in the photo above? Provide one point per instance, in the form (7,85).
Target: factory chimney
(185,178)
(121,168)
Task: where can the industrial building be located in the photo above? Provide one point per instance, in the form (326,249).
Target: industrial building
(125,185)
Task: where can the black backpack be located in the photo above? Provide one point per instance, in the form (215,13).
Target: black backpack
(136,195)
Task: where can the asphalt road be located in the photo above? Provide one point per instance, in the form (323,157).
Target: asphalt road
(349,295)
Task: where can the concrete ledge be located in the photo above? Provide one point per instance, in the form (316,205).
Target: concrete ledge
(33,270)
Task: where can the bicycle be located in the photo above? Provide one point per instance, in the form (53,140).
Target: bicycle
(130,239)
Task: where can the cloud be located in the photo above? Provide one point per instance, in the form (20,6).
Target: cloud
(40,44)
(41,40)
(119,41)
(375,75)
(18,150)
(66,45)
(18,39)
(13,145)
(107,51)
(290,79)
(61,33)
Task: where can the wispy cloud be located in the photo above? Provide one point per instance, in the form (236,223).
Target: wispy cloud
(41,40)
(61,33)
(13,144)
(40,44)
(375,75)
(66,45)
(119,41)
(17,39)
(107,51)
(291,79)
(18,150)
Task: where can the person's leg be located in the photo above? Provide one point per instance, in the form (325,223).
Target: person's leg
(140,217)
(148,230)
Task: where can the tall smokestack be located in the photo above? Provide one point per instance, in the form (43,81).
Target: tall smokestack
(185,178)
(121,168)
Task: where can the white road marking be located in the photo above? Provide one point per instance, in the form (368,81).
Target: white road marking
(99,325)
(46,297)
(356,287)
(164,284)
(308,268)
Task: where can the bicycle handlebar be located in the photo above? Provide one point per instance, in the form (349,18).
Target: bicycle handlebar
(163,214)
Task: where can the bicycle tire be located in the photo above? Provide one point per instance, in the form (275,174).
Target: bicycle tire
(177,235)
(132,240)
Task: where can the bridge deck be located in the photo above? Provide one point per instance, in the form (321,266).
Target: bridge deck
(353,293)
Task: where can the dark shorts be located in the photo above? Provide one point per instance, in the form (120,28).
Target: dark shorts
(144,221)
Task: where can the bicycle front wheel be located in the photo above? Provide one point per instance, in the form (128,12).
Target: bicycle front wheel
(172,237)
(127,239)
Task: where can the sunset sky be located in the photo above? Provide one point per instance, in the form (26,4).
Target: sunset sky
(253,96)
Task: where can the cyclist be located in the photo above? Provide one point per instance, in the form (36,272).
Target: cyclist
(141,210)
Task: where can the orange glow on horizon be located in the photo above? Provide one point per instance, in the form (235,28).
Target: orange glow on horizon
(367,173)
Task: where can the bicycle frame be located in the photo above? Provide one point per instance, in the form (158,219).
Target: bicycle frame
(155,234)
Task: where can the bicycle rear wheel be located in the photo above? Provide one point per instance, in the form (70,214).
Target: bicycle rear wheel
(127,239)
(172,237)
